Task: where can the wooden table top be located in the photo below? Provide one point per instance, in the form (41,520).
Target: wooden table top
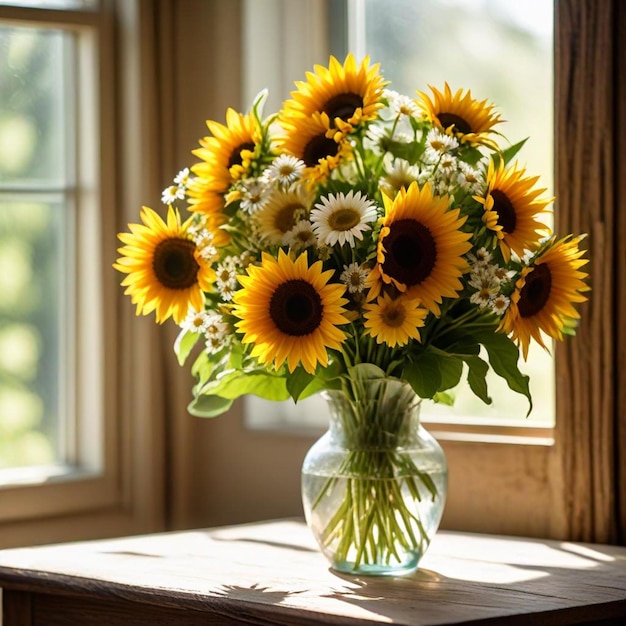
(273,573)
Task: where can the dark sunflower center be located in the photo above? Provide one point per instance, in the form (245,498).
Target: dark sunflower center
(285,218)
(536,291)
(296,308)
(411,252)
(174,264)
(343,105)
(394,316)
(505,210)
(319,147)
(235,155)
(452,119)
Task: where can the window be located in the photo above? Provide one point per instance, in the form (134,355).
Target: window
(62,453)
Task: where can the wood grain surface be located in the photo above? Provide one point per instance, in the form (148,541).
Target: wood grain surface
(273,573)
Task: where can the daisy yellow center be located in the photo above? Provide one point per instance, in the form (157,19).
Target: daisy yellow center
(344,218)
(459,124)
(394,315)
(319,147)
(536,291)
(505,210)
(235,155)
(296,308)
(343,105)
(411,252)
(174,263)
(284,220)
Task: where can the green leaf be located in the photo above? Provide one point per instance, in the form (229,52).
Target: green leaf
(241,382)
(476,377)
(504,356)
(444,397)
(423,375)
(365,371)
(209,406)
(511,151)
(184,343)
(297,382)
(451,369)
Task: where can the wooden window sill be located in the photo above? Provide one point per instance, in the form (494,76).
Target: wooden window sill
(273,573)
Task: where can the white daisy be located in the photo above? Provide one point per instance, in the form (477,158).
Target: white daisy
(254,197)
(500,304)
(301,236)
(195,321)
(217,333)
(400,173)
(342,217)
(401,105)
(438,143)
(226,278)
(171,194)
(482,298)
(285,170)
(480,258)
(183,178)
(470,179)
(354,277)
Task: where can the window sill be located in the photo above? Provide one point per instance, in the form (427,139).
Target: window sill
(273,573)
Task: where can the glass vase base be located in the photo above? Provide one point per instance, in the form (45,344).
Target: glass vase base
(376,569)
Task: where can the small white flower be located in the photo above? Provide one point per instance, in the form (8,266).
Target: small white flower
(226,278)
(183,178)
(342,217)
(500,304)
(171,194)
(400,173)
(470,179)
(255,195)
(195,321)
(217,333)
(482,298)
(400,104)
(440,143)
(481,258)
(354,277)
(301,236)
(285,170)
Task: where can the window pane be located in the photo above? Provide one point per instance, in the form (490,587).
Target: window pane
(33,80)
(35,251)
(502,51)
(31,370)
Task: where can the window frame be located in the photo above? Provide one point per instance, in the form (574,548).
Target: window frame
(113,483)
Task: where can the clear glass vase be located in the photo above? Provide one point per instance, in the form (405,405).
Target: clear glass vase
(374,485)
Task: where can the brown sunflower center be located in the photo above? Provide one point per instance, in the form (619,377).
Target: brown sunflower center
(411,252)
(285,218)
(319,147)
(536,291)
(394,316)
(459,124)
(174,264)
(505,210)
(343,105)
(296,308)
(235,155)
(344,219)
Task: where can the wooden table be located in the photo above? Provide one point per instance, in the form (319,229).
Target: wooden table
(272,573)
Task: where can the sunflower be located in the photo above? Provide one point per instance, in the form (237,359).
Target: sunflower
(394,321)
(312,140)
(282,212)
(222,160)
(420,247)
(290,312)
(460,115)
(511,207)
(545,293)
(348,94)
(165,272)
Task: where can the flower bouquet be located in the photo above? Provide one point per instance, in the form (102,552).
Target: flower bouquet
(370,245)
